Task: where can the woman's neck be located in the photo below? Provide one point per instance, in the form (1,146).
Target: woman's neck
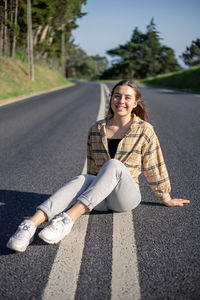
(121,121)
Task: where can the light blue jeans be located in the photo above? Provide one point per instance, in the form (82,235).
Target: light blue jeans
(112,189)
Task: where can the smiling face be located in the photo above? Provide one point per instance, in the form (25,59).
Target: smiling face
(123,101)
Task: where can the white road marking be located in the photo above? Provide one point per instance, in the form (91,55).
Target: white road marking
(63,277)
(107,91)
(125,278)
(167,91)
(102,107)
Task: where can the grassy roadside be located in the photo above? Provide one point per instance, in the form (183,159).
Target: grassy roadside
(14,80)
(184,80)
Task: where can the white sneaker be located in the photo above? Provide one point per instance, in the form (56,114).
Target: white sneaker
(60,226)
(22,237)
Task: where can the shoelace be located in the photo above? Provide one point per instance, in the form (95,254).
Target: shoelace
(56,221)
(23,228)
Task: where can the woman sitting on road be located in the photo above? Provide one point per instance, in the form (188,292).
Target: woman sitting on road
(118,148)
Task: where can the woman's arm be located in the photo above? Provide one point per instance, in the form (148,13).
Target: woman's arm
(156,173)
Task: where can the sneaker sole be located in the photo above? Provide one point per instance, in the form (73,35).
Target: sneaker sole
(12,247)
(16,249)
(50,241)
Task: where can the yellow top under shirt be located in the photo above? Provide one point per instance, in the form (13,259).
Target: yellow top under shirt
(139,149)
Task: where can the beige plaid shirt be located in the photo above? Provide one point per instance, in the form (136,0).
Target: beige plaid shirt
(139,149)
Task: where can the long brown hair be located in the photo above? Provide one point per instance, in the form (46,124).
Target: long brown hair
(140,109)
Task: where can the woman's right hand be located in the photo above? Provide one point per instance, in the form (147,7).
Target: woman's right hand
(177,202)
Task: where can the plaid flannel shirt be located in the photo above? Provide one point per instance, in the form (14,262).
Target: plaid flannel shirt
(138,150)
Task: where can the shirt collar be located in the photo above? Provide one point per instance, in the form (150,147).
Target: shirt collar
(136,121)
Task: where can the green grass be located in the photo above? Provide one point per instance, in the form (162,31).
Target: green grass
(184,80)
(14,79)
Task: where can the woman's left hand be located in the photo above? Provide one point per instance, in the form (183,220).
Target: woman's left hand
(177,202)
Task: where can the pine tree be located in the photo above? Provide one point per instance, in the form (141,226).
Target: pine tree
(142,56)
(191,56)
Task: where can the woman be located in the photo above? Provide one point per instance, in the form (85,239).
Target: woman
(118,148)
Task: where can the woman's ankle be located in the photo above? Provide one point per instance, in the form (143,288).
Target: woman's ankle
(38,218)
(77,210)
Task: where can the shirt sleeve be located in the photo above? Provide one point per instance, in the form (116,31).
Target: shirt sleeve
(155,169)
(91,166)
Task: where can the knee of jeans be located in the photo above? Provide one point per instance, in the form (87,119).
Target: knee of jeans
(83,179)
(116,166)
(119,206)
(78,178)
(114,163)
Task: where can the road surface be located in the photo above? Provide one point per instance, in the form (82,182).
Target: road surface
(150,253)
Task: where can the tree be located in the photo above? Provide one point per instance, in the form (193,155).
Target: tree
(52,25)
(142,56)
(1,27)
(71,12)
(6,28)
(191,56)
(80,65)
(15,29)
(30,41)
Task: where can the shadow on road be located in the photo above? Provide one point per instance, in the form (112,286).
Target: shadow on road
(14,207)
(150,203)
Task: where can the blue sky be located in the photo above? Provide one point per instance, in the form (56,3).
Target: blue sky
(109,23)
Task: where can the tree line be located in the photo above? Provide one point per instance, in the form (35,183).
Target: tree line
(144,55)
(52,24)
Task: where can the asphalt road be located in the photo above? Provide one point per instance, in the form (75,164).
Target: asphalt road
(43,144)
